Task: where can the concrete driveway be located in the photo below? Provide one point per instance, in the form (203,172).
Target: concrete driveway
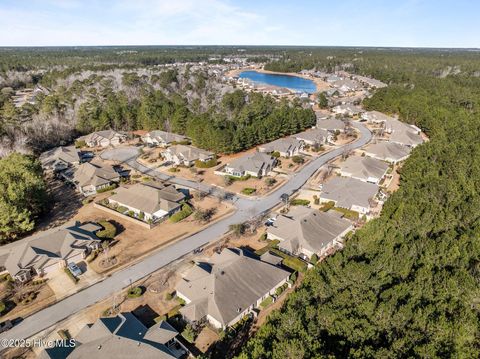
(62,286)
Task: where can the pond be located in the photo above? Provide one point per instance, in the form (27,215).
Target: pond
(295,83)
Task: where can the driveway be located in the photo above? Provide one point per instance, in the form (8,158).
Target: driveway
(246,209)
(62,286)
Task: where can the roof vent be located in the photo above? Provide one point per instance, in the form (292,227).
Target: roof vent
(99,347)
(239,310)
(222,272)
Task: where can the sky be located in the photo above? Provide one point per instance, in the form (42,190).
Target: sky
(402,23)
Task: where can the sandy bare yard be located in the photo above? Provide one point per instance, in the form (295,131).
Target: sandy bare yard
(134,241)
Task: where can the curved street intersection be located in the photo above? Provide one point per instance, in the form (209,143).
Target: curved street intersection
(245,209)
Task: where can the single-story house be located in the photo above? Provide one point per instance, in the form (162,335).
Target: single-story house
(122,336)
(155,200)
(48,251)
(162,138)
(103,138)
(376,117)
(257,164)
(374,83)
(228,287)
(365,169)
(332,125)
(314,136)
(322,114)
(306,231)
(346,85)
(387,151)
(347,109)
(60,158)
(349,193)
(287,146)
(402,133)
(186,155)
(90,177)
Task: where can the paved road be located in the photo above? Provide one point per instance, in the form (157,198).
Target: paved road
(246,208)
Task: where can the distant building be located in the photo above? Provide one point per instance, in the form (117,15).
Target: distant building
(287,147)
(313,137)
(256,164)
(103,138)
(162,138)
(186,155)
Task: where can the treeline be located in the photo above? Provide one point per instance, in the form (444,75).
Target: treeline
(239,122)
(23,195)
(407,284)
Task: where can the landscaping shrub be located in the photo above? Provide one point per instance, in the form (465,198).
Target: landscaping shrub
(173,170)
(141,216)
(238,229)
(108,188)
(70,275)
(227,180)
(122,209)
(327,206)
(108,232)
(299,202)
(347,213)
(64,334)
(182,214)
(249,191)
(160,318)
(298,159)
(316,199)
(80,144)
(266,302)
(168,296)
(275,154)
(208,164)
(189,333)
(87,200)
(2,307)
(314,258)
(270,181)
(134,292)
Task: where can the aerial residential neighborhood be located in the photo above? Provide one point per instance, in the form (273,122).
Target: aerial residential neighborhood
(272,200)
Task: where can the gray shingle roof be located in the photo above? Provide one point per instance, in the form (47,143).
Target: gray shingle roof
(123,336)
(317,135)
(54,244)
(387,150)
(346,192)
(234,282)
(363,167)
(308,228)
(68,155)
(285,144)
(94,173)
(189,153)
(331,124)
(254,162)
(167,137)
(149,197)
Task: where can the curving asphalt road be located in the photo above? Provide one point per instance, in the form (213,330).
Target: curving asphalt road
(246,208)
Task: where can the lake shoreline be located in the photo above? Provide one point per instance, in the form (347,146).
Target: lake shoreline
(319,84)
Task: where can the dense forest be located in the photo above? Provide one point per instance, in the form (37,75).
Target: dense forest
(408,283)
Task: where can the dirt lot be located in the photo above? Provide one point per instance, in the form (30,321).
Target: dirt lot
(44,296)
(134,241)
